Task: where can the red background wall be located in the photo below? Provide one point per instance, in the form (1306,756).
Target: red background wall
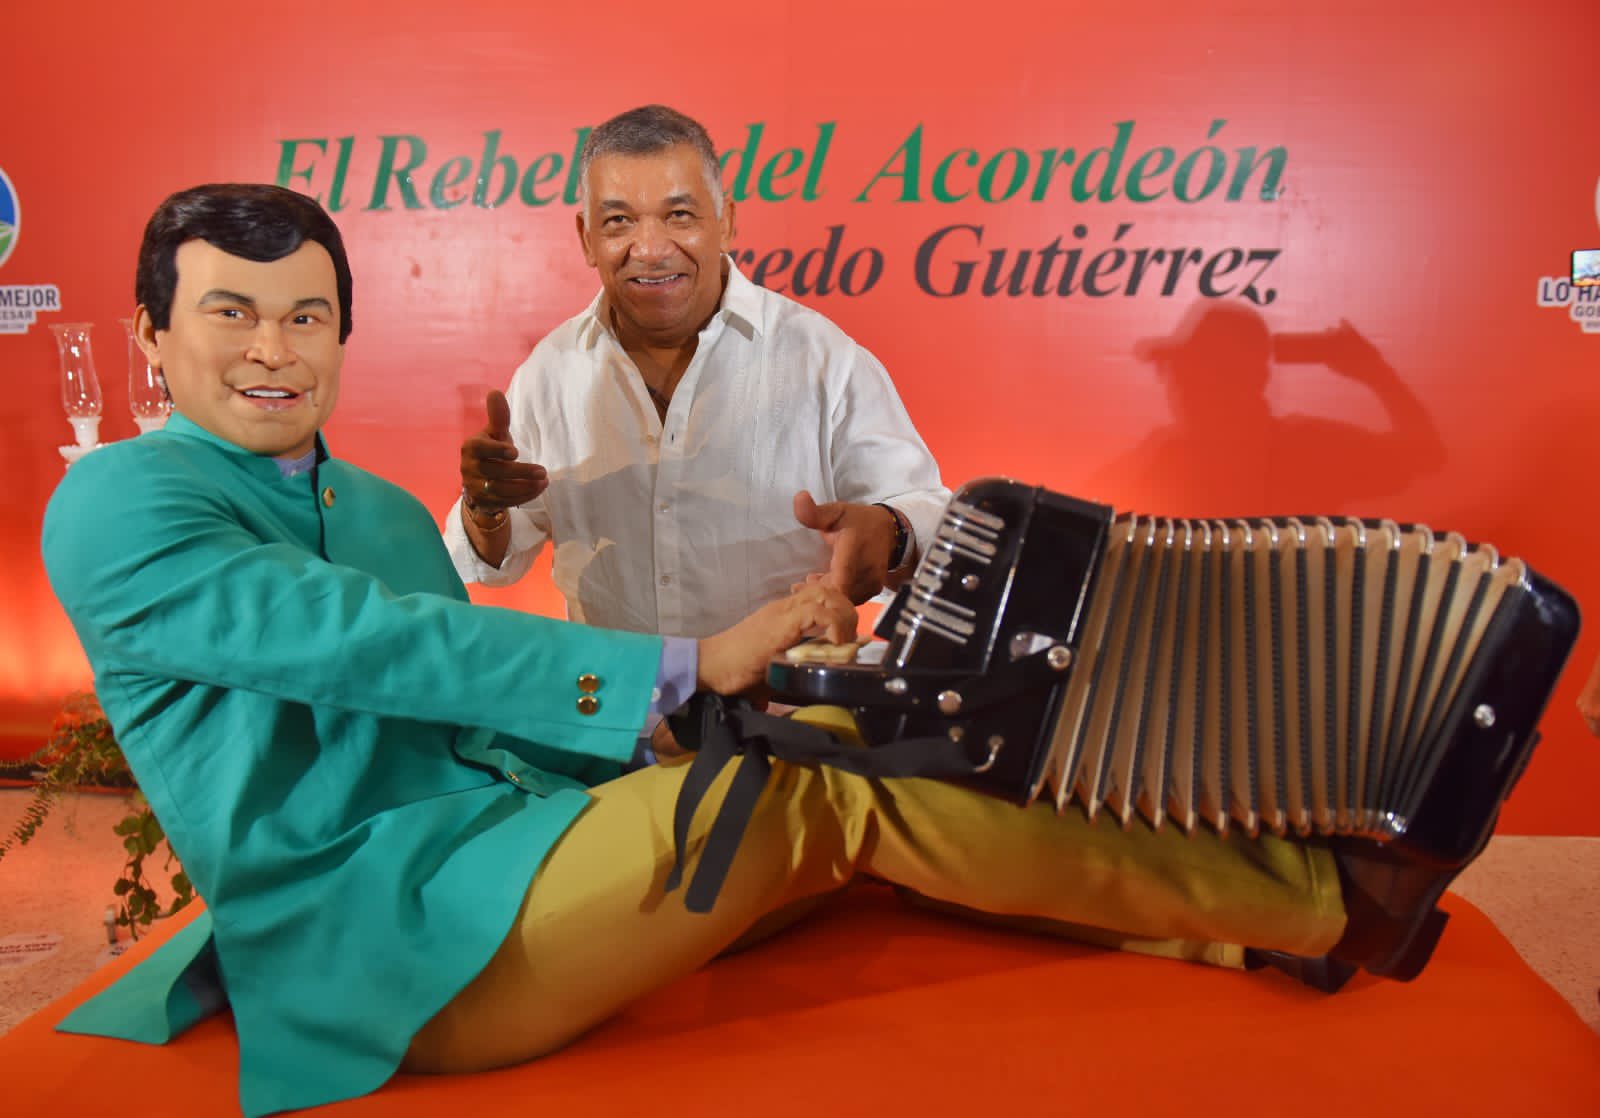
(1438,161)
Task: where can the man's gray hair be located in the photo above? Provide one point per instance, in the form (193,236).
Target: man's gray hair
(646,131)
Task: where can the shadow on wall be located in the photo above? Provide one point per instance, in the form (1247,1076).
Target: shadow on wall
(1225,453)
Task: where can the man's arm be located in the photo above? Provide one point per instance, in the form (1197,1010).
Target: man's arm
(496,528)
(881,470)
(493,482)
(162,579)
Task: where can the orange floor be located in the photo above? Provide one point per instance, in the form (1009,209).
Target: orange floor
(872,1008)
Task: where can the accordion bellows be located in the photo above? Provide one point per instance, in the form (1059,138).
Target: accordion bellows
(1298,675)
(1272,673)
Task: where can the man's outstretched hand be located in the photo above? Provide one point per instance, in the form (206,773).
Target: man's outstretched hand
(490,472)
(861,538)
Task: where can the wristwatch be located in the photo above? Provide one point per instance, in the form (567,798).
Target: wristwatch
(902,537)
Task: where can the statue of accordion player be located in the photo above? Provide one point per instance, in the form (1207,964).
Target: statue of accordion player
(1366,685)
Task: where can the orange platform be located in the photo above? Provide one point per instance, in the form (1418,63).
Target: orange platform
(870,1007)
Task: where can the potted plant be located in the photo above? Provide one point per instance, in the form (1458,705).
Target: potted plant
(81,751)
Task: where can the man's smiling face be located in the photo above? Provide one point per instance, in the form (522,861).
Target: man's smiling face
(252,351)
(650,227)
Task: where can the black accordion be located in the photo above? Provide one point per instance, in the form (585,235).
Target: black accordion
(1298,675)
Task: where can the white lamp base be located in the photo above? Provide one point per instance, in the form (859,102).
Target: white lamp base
(86,429)
(74,452)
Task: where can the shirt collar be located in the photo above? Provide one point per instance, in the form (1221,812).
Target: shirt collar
(741,303)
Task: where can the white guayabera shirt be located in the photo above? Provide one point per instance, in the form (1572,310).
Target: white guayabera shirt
(684,526)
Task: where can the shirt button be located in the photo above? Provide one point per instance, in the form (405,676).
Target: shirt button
(664,507)
(666,580)
(327,497)
(588,683)
(588,704)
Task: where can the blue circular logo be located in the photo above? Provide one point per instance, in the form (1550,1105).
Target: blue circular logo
(10,217)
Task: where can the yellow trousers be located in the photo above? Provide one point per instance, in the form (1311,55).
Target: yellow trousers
(596,931)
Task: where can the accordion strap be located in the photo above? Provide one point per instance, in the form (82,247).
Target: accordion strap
(722,729)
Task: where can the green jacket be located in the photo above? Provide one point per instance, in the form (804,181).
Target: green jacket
(359,769)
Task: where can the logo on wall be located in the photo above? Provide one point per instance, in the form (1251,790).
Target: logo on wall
(20,303)
(1579,290)
(10,217)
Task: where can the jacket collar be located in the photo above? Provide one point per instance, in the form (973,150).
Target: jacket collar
(183,427)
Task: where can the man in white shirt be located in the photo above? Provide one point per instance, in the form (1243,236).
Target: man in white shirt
(692,444)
